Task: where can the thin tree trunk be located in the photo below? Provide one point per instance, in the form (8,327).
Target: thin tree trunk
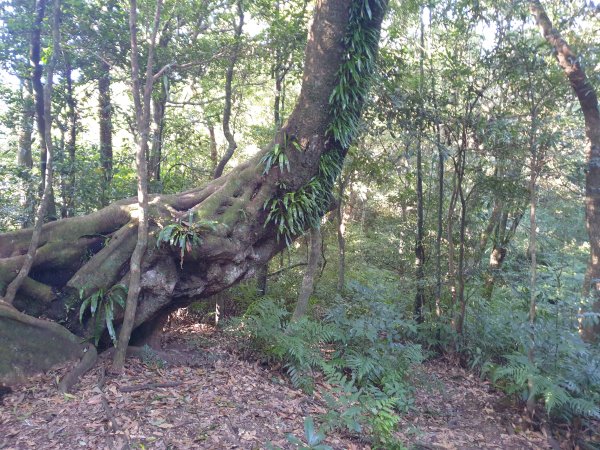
(460,275)
(533,277)
(588,101)
(419,247)
(440,199)
(261,279)
(24,154)
(214,155)
(159,103)
(38,89)
(450,238)
(308,281)
(16,283)
(69,206)
(142,112)
(341,237)
(231,144)
(105,116)
(460,279)
(159,109)
(36,78)
(440,228)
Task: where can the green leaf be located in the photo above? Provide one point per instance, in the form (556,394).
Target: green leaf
(83,307)
(109,317)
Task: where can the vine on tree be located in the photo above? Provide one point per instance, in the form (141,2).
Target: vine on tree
(294,212)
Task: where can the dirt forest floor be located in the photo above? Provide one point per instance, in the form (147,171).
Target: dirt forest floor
(217,400)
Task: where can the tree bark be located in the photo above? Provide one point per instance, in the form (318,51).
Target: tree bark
(308,281)
(588,101)
(242,240)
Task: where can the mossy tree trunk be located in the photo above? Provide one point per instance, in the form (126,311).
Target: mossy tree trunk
(81,255)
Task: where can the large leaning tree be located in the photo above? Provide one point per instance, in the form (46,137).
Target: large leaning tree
(235,223)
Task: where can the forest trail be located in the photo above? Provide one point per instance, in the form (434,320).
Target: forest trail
(219,401)
(454,409)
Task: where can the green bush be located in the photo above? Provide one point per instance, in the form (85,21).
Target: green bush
(362,347)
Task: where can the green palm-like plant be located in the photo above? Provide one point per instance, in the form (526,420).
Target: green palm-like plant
(101,305)
(185,235)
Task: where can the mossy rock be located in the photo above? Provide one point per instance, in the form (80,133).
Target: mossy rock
(29,345)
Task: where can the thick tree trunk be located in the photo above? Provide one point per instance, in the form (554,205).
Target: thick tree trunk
(588,100)
(243,239)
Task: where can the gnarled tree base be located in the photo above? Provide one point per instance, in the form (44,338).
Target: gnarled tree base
(83,256)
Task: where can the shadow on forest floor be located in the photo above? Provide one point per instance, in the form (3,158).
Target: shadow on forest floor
(218,400)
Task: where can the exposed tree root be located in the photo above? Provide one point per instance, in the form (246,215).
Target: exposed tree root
(84,366)
(143,387)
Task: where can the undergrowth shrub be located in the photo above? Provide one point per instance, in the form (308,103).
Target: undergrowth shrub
(565,372)
(362,348)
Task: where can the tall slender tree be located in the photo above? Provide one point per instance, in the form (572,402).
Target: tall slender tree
(588,100)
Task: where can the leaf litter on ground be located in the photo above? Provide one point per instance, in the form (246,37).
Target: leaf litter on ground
(218,400)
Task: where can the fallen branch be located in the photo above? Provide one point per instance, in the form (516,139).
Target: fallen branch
(87,362)
(142,387)
(109,415)
(277,272)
